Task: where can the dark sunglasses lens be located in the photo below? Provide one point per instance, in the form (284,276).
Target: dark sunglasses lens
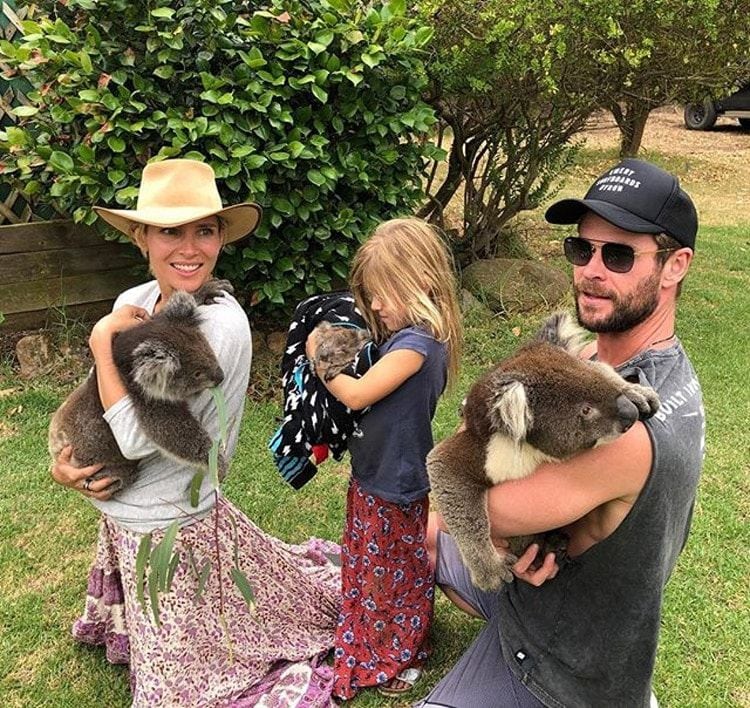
(577,251)
(618,257)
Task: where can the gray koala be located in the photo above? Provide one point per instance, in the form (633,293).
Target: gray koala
(541,404)
(163,363)
(337,346)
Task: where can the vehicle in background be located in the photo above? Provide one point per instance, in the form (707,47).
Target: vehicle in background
(702,116)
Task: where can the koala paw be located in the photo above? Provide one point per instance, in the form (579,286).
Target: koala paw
(646,400)
(490,573)
(337,348)
(208,293)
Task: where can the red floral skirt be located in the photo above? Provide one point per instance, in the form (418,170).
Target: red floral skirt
(388,591)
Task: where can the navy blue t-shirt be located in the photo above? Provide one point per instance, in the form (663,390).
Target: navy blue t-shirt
(388,458)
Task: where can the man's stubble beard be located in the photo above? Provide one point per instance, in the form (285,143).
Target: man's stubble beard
(627,311)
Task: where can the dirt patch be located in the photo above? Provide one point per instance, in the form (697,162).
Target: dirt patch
(713,165)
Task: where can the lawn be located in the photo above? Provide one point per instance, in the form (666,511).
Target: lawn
(48,533)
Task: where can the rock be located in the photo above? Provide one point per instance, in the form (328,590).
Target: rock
(513,285)
(34,356)
(276,342)
(468,303)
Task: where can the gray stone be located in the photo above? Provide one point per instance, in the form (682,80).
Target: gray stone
(34,355)
(513,285)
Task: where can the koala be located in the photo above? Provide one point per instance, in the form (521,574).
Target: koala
(163,363)
(542,404)
(337,346)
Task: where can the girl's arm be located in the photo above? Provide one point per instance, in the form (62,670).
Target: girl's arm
(384,377)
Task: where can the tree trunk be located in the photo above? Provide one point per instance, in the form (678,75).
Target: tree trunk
(631,119)
(433,209)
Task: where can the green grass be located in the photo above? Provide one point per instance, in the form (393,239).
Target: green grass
(48,533)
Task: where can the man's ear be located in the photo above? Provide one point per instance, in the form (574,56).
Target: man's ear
(676,267)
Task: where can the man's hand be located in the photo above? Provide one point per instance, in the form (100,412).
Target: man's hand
(523,571)
(63,472)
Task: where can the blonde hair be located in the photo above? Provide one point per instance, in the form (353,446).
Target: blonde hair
(407,262)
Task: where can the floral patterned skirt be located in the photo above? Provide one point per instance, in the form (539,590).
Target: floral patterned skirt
(388,592)
(199,655)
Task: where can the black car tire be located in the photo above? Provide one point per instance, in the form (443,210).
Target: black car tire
(745,123)
(700,116)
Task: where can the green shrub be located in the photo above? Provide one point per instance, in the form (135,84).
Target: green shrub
(311,108)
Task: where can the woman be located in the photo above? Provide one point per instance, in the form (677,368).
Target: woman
(209,650)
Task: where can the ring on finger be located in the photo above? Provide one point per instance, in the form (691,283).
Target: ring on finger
(87,484)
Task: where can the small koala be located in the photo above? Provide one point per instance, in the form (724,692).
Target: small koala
(163,363)
(541,404)
(337,347)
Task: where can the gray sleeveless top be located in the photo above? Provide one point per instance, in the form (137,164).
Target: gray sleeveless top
(588,637)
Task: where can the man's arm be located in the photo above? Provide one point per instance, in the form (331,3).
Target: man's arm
(608,478)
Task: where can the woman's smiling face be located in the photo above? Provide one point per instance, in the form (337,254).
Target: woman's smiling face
(183,257)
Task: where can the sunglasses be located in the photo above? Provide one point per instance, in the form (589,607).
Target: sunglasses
(617,257)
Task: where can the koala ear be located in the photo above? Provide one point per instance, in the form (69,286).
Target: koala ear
(509,410)
(560,329)
(181,308)
(154,364)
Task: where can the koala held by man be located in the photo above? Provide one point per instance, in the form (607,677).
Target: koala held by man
(541,404)
(164,363)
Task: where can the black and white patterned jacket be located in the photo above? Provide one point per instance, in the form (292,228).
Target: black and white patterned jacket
(312,416)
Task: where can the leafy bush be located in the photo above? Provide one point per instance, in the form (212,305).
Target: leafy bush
(311,108)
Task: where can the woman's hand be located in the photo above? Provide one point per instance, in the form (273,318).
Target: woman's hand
(63,472)
(121,319)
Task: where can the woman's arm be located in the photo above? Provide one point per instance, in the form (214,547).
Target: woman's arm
(109,383)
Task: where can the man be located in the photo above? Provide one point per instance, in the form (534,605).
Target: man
(585,634)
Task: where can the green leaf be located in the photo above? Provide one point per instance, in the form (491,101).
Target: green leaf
(24,111)
(141,558)
(166,12)
(195,488)
(221,411)
(164,72)
(116,144)
(213,464)
(202,578)
(243,585)
(319,93)
(316,177)
(61,162)
(255,161)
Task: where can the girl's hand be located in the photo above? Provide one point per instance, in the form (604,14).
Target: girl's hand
(63,472)
(311,345)
(121,319)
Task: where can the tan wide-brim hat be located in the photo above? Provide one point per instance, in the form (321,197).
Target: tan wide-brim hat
(176,192)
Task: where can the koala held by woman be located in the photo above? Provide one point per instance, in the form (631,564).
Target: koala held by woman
(163,363)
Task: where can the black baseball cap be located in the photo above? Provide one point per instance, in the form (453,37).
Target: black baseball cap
(636,196)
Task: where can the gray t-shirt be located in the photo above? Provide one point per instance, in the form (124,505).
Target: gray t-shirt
(588,638)
(389,451)
(161,492)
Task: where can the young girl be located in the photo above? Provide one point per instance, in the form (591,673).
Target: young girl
(404,284)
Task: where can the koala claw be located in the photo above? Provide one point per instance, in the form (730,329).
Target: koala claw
(211,290)
(646,400)
(489,574)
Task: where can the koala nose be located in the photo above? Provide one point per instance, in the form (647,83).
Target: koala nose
(218,376)
(627,413)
